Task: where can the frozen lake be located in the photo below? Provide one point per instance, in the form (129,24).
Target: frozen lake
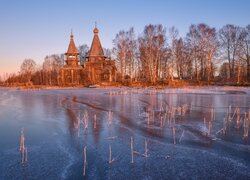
(186,133)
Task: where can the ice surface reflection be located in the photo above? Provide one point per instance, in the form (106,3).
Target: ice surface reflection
(97,133)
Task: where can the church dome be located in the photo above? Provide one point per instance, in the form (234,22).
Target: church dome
(96,30)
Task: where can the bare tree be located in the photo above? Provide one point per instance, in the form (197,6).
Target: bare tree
(204,41)
(130,52)
(51,67)
(182,59)
(165,60)
(151,48)
(119,50)
(173,33)
(28,67)
(224,71)
(211,47)
(83,52)
(231,39)
(193,41)
(37,76)
(107,52)
(246,49)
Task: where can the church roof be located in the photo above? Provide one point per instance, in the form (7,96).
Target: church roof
(72,47)
(96,47)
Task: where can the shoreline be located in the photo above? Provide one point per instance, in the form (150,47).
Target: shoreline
(43,87)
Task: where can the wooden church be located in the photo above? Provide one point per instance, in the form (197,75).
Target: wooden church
(97,68)
(72,72)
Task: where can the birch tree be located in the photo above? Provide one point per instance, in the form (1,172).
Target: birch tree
(119,50)
(193,41)
(204,44)
(211,47)
(230,40)
(182,59)
(130,52)
(151,48)
(28,67)
(83,52)
(51,68)
(173,33)
(246,49)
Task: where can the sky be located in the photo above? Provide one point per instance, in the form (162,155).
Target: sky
(36,28)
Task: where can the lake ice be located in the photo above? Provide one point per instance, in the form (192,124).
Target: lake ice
(189,133)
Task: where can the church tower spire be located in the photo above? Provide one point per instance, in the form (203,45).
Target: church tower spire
(72,55)
(96,47)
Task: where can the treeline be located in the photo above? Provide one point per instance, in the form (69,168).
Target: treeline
(160,55)
(48,73)
(203,55)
